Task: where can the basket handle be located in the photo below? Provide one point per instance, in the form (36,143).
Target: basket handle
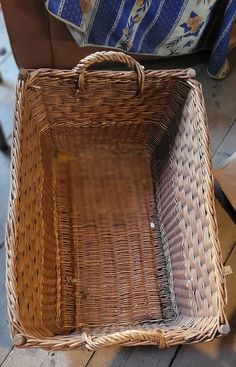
(129,337)
(109,56)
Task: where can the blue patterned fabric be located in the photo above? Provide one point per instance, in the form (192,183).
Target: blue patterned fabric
(220,50)
(150,27)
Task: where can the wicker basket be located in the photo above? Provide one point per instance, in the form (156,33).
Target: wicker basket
(112,236)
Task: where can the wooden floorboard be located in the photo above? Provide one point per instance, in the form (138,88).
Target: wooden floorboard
(41,358)
(227,147)
(220,103)
(75,358)
(227,230)
(5,342)
(105,356)
(148,356)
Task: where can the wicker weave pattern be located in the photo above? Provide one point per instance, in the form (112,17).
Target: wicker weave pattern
(111,237)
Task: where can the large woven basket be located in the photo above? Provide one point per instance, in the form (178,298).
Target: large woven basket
(112,235)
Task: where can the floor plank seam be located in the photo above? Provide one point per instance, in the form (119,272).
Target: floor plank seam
(200,72)
(218,146)
(122,357)
(230,252)
(175,355)
(6,356)
(90,359)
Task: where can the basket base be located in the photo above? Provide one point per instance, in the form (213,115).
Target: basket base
(108,238)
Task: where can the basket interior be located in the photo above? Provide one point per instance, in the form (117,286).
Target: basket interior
(100,245)
(111,268)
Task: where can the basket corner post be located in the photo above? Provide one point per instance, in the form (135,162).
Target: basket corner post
(18,340)
(224,329)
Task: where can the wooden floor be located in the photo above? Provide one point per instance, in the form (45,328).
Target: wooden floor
(221,107)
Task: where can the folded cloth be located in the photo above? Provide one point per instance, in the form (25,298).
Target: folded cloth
(151,27)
